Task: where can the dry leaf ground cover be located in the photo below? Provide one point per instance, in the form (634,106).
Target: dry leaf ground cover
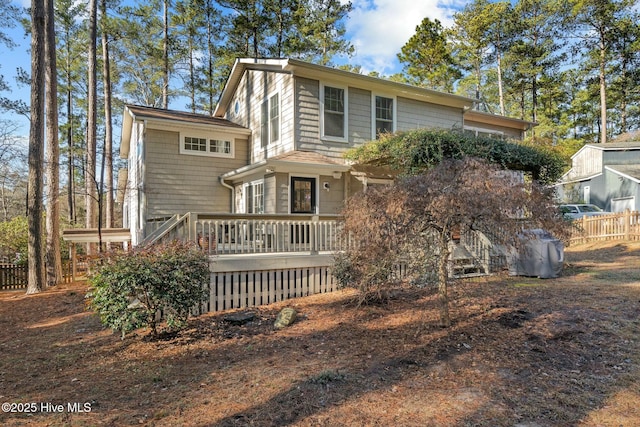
(521,352)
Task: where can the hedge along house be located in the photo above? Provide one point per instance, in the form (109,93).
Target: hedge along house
(266,174)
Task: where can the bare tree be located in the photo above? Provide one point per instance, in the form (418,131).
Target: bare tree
(416,220)
(13,172)
(36,280)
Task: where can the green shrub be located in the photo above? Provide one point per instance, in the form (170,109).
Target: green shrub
(129,289)
(14,238)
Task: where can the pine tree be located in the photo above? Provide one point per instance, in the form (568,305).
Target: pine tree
(36,280)
(52,253)
(428,59)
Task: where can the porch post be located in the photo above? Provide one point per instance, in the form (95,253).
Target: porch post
(73,262)
(313,235)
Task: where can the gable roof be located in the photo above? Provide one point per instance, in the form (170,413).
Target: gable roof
(292,161)
(628,171)
(133,113)
(497,120)
(611,146)
(320,72)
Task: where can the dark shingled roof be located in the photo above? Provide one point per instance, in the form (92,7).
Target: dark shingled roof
(311,157)
(158,113)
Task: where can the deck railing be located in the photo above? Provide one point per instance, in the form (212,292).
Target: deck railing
(223,233)
(241,234)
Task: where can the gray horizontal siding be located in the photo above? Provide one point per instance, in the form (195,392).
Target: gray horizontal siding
(414,114)
(307,96)
(489,128)
(359,116)
(180,183)
(411,114)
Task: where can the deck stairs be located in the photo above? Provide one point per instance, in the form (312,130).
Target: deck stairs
(475,255)
(464,264)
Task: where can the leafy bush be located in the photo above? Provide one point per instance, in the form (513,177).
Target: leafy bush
(129,289)
(417,151)
(14,237)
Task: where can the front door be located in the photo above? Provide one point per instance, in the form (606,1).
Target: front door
(303,195)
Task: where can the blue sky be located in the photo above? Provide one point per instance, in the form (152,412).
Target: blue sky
(376,28)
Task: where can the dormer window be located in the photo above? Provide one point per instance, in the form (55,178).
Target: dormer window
(201,145)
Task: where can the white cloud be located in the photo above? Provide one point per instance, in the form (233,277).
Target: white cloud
(379,28)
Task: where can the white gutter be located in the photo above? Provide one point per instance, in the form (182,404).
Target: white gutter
(224,184)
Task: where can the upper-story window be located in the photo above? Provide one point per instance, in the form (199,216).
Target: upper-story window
(270,120)
(384,119)
(334,113)
(201,145)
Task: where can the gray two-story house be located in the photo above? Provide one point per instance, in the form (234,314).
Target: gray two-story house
(606,175)
(275,142)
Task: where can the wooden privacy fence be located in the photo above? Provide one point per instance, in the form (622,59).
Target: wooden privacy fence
(616,226)
(13,276)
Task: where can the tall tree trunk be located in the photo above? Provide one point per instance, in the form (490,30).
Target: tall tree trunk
(71,195)
(443,280)
(500,93)
(165,57)
(92,118)
(210,85)
(108,126)
(52,253)
(36,279)
(603,92)
(534,102)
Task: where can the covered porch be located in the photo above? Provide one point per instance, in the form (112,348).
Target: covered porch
(77,236)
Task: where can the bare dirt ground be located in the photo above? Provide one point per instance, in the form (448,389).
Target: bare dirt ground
(522,352)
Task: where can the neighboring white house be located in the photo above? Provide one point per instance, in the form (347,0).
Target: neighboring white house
(606,175)
(275,142)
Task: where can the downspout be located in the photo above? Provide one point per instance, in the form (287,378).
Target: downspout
(141,181)
(233,190)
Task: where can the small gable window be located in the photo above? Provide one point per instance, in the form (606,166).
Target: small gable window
(195,144)
(213,146)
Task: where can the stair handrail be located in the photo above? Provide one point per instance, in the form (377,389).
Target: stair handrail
(171,224)
(481,251)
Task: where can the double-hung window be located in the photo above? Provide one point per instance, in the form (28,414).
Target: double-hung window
(270,120)
(334,113)
(384,115)
(254,197)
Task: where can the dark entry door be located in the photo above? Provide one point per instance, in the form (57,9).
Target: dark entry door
(303,195)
